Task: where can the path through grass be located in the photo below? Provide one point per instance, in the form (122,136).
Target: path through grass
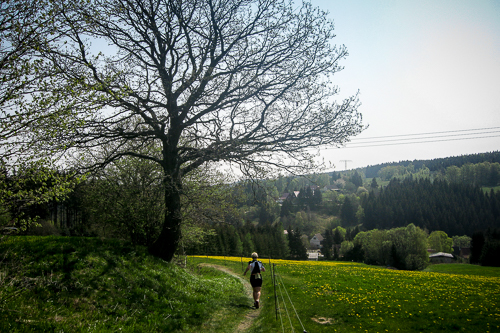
(351,297)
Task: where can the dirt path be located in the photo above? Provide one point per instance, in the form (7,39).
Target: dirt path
(251,315)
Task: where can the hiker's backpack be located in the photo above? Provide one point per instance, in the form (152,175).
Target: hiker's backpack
(256,267)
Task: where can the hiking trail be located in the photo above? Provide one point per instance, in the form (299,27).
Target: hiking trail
(251,315)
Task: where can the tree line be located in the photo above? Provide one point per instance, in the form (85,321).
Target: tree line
(454,208)
(269,241)
(438,164)
(486,247)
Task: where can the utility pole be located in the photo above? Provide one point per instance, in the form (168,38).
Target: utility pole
(345,163)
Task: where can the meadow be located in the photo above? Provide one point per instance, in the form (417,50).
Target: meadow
(353,297)
(73,284)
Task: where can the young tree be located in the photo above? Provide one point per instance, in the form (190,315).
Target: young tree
(26,179)
(440,242)
(461,241)
(245,82)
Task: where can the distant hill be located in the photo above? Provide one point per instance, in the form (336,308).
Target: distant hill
(438,163)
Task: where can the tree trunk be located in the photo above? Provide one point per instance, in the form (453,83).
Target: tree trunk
(165,246)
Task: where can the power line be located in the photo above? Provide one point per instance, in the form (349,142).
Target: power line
(425,137)
(428,133)
(408,143)
(416,138)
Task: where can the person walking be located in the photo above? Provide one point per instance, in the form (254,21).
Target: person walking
(256,268)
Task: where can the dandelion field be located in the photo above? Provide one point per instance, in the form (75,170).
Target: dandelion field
(352,297)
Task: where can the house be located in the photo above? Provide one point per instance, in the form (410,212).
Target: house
(316,241)
(283,197)
(314,188)
(287,196)
(312,256)
(465,252)
(441,258)
(330,188)
(462,252)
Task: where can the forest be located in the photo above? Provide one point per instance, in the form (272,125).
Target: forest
(278,217)
(438,164)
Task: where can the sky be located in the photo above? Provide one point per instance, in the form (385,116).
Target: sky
(425,70)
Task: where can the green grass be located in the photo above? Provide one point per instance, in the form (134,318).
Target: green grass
(487,189)
(63,284)
(67,284)
(351,297)
(464,269)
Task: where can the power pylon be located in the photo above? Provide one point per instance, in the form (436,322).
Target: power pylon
(345,161)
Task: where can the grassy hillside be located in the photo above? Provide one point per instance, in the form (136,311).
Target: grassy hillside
(64,284)
(69,284)
(352,297)
(464,269)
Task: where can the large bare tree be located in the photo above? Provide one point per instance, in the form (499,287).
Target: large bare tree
(242,81)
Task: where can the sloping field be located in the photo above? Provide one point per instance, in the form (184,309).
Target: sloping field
(351,297)
(76,284)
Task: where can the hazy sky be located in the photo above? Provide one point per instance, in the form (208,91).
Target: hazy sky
(421,67)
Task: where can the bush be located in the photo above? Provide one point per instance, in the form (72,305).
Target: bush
(43,228)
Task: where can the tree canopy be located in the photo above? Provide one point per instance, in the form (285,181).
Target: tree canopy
(242,82)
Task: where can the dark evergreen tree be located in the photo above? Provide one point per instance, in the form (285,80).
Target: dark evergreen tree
(297,249)
(286,208)
(337,237)
(348,213)
(327,244)
(355,254)
(317,198)
(356,179)
(334,177)
(476,244)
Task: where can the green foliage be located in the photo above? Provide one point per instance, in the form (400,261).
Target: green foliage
(86,284)
(228,240)
(439,164)
(403,248)
(339,234)
(26,191)
(390,172)
(440,242)
(356,179)
(482,174)
(461,241)
(125,200)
